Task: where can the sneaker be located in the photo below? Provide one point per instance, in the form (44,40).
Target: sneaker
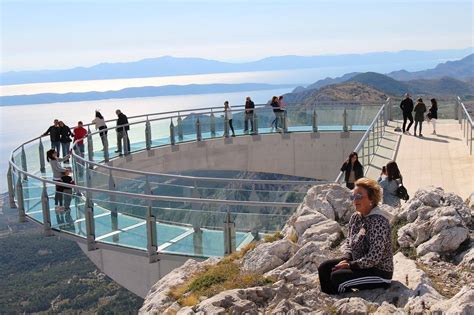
(433,133)
(117,151)
(233,135)
(408,133)
(414,134)
(421,136)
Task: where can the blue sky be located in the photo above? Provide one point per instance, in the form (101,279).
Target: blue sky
(40,34)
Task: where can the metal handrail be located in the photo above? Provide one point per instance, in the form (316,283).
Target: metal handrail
(464,114)
(365,136)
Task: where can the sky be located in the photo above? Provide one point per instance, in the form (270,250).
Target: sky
(39,34)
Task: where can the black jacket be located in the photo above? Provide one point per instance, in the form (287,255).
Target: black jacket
(358,170)
(433,113)
(122,120)
(276,107)
(53,133)
(407,105)
(249,106)
(65,134)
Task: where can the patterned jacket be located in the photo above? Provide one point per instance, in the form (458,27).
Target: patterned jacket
(369,244)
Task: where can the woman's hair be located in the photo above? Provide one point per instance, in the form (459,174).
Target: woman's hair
(419,100)
(374,193)
(49,155)
(392,171)
(434,103)
(98,115)
(274,99)
(280,97)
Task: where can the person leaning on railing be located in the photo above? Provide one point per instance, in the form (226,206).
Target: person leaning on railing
(367,261)
(122,131)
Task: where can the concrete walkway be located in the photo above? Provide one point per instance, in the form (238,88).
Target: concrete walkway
(440,160)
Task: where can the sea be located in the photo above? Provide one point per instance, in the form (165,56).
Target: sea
(22,123)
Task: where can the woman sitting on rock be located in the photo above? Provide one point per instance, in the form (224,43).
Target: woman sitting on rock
(368,258)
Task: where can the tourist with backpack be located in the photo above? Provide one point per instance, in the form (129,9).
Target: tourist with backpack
(390,184)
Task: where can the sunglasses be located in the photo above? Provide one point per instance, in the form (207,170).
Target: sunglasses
(357,196)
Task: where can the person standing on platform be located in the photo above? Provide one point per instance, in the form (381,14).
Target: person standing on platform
(407,108)
(433,114)
(352,169)
(54,136)
(228,115)
(122,131)
(390,184)
(65,138)
(100,125)
(420,110)
(249,108)
(79,134)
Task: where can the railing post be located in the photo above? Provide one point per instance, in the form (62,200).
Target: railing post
(90,147)
(253,194)
(390,109)
(229,235)
(285,122)
(126,151)
(226,125)
(198,130)
(41,156)
(180,128)
(456,109)
(24,166)
(213,124)
(11,188)
(255,122)
(46,214)
(315,121)
(90,224)
(20,200)
(151,236)
(113,208)
(344,116)
(105,143)
(172,137)
(197,240)
(147,134)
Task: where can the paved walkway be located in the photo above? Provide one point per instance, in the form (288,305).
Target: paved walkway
(440,160)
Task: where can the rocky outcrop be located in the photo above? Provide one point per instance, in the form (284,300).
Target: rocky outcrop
(438,223)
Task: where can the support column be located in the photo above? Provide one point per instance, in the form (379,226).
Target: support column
(20,200)
(90,224)
(126,151)
(226,126)
(255,122)
(229,235)
(197,241)
(180,128)
(90,148)
(315,121)
(11,188)
(198,130)
(147,134)
(41,156)
(172,137)
(24,166)
(46,214)
(152,239)
(213,125)
(344,117)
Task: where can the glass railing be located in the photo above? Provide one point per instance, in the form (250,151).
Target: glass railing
(186,215)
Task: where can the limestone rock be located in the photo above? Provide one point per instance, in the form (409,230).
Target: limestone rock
(460,304)
(325,232)
(289,307)
(268,256)
(352,306)
(305,221)
(307,258)
(157,300)
(387,308)
(467,259)
(445,242)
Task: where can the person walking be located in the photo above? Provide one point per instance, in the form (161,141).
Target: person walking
(79,134)
(54,136)
(122,131)
(367,261)
(228,115)
(352,169)
(407,108)
(433,114)
(390,184)
(249,108)
(99,123)
(420,110)
(65,138)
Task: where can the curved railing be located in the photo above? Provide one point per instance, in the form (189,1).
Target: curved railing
(154,215)
(465,120)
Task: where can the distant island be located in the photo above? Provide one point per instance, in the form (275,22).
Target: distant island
(147,91)
(172,66)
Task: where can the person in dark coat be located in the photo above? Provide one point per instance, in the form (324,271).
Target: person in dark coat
(122,131)
(433,114)
(420,110)
(249,108)
(407,108)
(54,136)
(277,111)
(353,170)
(65,138)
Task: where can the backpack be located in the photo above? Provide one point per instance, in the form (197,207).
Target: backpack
(402,192)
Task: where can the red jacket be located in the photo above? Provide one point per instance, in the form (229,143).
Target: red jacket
(79,134)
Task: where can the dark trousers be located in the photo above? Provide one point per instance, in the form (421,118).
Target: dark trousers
(416,124)
(103,135)
(350,185)
(231,127)
(408,116)
(248,116)
(67,197)
(339,281)
(56,145)
(58,196)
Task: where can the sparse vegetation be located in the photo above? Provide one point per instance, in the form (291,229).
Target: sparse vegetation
(397,224)
(293,237)
(225,275)
(273,237)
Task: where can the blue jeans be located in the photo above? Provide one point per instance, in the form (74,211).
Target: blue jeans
(80,149)
(65,146)
(56,145)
